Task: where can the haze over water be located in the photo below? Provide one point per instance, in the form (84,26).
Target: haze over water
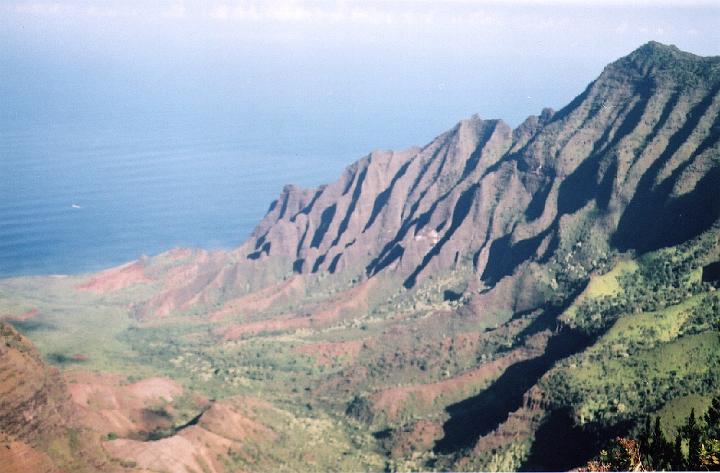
(128,129)
(79,198)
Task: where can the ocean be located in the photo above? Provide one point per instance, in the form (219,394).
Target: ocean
(77,198)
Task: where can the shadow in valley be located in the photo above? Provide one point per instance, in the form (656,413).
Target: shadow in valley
(477,416)
(561,445)
(31,325)
(548,318)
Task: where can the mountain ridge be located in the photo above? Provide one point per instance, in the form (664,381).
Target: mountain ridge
(410,212)
(455,306)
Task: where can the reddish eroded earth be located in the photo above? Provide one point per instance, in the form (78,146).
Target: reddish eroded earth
(418,437)
(193,450)
(326,353)
(521,424)
(276,324)
(28,314)
(107,405)
(350,301)
(262,299)
(226,426)
(19,457)
(392,401)
(115,279)
(37,419)
(186,284)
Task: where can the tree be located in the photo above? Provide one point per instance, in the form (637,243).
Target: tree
(660,449)
(644,438)
(693,433)
(712,419)
(652,451)
(710,456)
(678,459)
(359,408)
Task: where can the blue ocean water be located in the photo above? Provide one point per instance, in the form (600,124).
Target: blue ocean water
(79,198)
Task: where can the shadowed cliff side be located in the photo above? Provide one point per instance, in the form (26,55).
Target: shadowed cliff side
(631,163)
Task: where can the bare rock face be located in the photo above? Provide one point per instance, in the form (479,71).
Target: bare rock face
(630,164)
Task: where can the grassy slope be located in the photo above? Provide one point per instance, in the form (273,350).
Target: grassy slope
(601,285)
(69,322)
(661,361)
(644,362)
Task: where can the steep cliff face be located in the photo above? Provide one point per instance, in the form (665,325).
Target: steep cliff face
(390,210)
(638,147)
(631,164)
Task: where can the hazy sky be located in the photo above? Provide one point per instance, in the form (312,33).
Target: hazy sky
(352,74)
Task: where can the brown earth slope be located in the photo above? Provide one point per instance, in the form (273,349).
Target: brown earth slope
(38,425)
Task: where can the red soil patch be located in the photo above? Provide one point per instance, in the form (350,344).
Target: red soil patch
(212,282)
(350,300)
(19,457)
(24,316)
(180,275)
(162,304)
(186,284)
(421,436)
(325,353)
(232,419)
(260,300)
(177,253)
(194,449)
(281,323)
(226,425)
(115,279)
(391,401)
(105,405)
(520,424)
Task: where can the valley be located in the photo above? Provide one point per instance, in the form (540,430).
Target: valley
(499,299)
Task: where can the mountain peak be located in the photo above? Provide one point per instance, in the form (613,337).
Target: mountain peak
(655,47)
(656,54)
(666,64)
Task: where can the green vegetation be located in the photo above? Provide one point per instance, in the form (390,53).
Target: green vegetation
(73,328)
(657,350)
(524,325)
(695,447)
(663,278)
